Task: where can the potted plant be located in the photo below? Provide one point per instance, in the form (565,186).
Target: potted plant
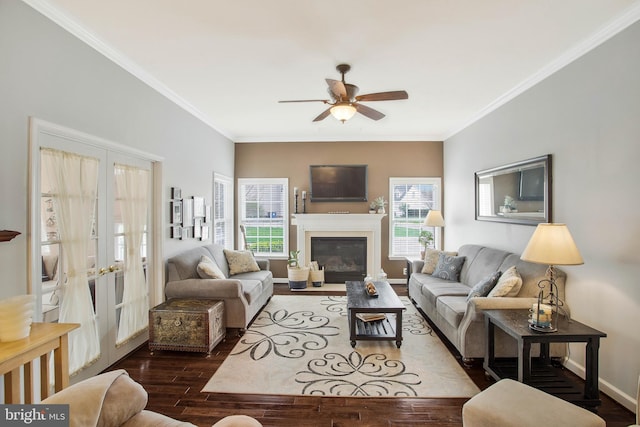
(380,203)
(298,276)
(425,238)
(373,207)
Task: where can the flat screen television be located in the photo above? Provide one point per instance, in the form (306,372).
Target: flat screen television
(531,184)
(338,183)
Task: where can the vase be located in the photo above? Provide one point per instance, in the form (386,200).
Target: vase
(381,210)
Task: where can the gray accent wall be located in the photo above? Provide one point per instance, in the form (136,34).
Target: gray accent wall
(47,73)
(587,115)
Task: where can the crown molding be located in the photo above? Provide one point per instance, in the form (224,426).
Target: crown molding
(617,25)
(114,55)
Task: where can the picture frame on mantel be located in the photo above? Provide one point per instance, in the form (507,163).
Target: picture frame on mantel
(516,193)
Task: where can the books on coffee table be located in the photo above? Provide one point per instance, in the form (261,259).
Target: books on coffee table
(370,317)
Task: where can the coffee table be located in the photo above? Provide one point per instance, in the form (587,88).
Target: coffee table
(387,301)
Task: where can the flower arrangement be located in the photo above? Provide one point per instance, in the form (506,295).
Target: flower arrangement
(380,203)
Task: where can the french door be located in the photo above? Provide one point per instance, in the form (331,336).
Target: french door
(91,249)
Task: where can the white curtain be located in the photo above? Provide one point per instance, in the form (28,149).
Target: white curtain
(132,190)
(73,182)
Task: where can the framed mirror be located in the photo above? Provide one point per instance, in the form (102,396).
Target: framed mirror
(518,193)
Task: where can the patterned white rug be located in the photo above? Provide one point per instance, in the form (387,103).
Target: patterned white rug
(299,345)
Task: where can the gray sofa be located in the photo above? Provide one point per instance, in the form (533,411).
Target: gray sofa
(461,321)
(244,294)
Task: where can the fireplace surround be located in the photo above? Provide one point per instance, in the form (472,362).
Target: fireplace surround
(367,226)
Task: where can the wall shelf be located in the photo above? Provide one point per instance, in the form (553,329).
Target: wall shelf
(6,235)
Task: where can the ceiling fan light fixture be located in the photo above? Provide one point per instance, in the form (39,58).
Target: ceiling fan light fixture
(343,111)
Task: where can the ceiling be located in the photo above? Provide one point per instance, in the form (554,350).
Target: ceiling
(230,62)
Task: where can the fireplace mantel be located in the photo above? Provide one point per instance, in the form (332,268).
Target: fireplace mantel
(341,225)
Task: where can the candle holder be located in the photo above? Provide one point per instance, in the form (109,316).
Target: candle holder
(295,203)
(304,205)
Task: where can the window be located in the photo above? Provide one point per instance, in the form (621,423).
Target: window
(223,210)
(410,199)
(485,197)
(264,211)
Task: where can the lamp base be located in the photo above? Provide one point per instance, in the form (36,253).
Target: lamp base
(542,328)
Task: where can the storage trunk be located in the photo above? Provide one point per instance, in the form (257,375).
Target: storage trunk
(186,325)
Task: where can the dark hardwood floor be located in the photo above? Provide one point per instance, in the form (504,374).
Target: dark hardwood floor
(174,380)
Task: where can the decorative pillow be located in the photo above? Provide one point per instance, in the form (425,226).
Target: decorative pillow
(207,269)
(484,286)
(240,262)
(449,267)
(509,284)
(431,257)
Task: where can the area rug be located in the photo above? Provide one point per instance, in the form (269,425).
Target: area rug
(299,345)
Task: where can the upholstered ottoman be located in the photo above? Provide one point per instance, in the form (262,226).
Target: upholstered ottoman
(186,325)
(510,403)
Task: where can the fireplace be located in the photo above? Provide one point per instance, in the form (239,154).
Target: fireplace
(342,225)
(343,258)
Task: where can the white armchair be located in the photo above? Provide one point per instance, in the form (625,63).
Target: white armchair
(113,399)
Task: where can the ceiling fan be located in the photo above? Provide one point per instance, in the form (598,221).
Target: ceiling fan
(345,102)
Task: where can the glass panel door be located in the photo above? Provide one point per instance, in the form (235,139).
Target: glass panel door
(131,218)
(116,245)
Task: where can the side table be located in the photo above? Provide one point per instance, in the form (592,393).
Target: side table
(541,373)
(409,260)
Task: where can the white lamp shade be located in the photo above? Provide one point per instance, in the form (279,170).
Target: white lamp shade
(552,244)
(434,219)
(343,111)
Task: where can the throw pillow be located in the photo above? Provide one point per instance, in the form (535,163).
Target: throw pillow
(484,286)
(207,269)
(240,262)
(449,267)
(509,284)
(431,257)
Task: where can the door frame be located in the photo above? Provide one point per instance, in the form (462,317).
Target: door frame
(39,126)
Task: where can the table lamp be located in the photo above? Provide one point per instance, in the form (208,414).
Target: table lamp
(553,245)
(434,219)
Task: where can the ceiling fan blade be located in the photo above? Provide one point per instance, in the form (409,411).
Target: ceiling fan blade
(369,112)
(326,101)
(352,91)
(323,115)
(384,96)
(337,90)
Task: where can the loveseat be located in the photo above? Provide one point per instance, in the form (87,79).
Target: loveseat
(460,318)
(244,292)
(113,399)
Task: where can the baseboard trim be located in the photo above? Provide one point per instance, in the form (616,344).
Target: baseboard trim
(607,388)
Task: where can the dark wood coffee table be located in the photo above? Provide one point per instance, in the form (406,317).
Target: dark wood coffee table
(387,301)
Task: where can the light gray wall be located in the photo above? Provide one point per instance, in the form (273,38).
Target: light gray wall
(47,73)
(587,116)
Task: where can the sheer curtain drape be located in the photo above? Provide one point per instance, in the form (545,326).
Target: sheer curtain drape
(132,192)
(73,182)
